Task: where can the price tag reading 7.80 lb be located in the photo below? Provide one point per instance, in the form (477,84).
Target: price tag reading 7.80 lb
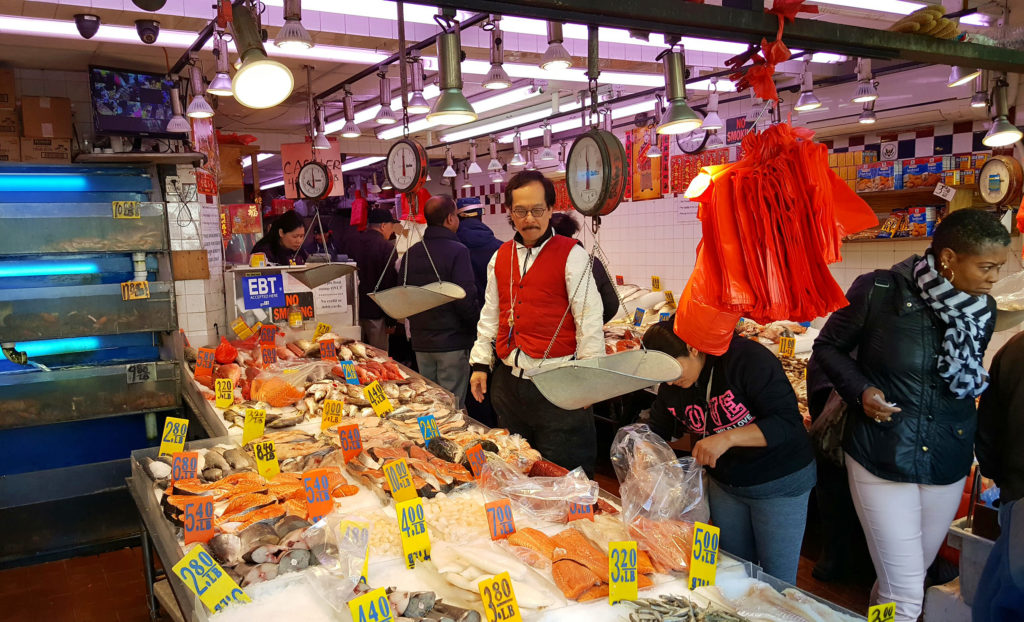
(172,440)
(198,519)
(400,480)
(372,606)
(499,599)
(266,459)
(477,459)
(134,290)
(225,391)
(351,441)
(703,555)
(413,530)
(255,424)
(622,571)
(885,612)
(374,393)
(208,580)
(184,465)
(331,416)
(318,494)
(499,519)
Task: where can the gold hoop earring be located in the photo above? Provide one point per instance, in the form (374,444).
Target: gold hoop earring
(952,274)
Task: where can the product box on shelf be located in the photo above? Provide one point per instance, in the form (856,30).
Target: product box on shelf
(7,91)
(10,149)
(978,159)
(866,178)
(9,125)
(969,178)
(963,161)
(46,150)
(885,175)
(922,220)
(922,172)
(46,117)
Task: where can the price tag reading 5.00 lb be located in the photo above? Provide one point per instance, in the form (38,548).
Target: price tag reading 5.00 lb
(499,599)
(477,459)
(225,390)
(198,519)
(208,580)
(428,428)
(255,424)
(351,441)
(579,511)
(126,209)
(703,555)
(499,519)
(318,494)
(885,612)
(331,416)
(622,571)
(413,529)
(400,480)
(372,606)
(787,346)
(134,290)
(374,393)
(172,440)
(184,465)
(266,459)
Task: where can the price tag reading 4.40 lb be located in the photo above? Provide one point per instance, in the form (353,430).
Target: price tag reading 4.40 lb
(413,529)
(208,580)
(428,428)
(225,390)
(655,283)
(321,330)
(477,459)
(703,555)
(172,440)
(126,209)
(333,409)
(787,346)
(255,424)
(499,519)
(349,369)
(374,393)
(351,441)
(266,459)
(499,599)
(184,465)
(198,519)
(268,353)
(372,606)
(329,351)
(622,571)
(579,511)
(134,290)
(400,480)
(886,612)
(318,494)
(204,362)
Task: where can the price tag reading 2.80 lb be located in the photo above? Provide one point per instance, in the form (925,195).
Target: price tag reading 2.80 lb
(413,529)
(333,409)
(266,459)
(208,580)
(372,606)
(400,480)
(703,555)
(885,612)
(184,465)
(198,519)
(173,438)
(477,459)
(318,494)
(499,519)
(622,571)
(374,393)
(499,599)
(351,441)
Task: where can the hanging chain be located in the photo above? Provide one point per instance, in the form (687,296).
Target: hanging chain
(587,273)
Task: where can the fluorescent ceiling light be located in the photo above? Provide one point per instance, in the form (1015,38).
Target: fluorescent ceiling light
(273,184)
(259,158)
(358,163)
(486,104)
(508,121)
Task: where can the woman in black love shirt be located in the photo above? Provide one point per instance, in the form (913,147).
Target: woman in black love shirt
(751,437)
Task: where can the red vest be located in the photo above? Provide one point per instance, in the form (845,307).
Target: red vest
(539,299)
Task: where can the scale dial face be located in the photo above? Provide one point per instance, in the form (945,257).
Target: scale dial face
(407,165)
(999,182)
(693,142)
(596,173)
(315,180)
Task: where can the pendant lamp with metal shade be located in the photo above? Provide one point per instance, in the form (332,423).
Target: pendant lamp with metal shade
(198,107)
(465,178)
(320,142)
(868,116)
(473,167)
(517,151)
(959,76)
(1002,133)
(497,77)
(178,124)
(417,102)
(556,57)
(808,100)
(350,129)
(495,163)
(679,118)
(221,83)
(293,35)
(712,120)
(866,89)
(259,82)
(531,162)
(449,170)
(385,116)
(451,107)
(654,152)
(547,154)
(561,160)
(980,97)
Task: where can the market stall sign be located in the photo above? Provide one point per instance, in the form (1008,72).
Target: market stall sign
(428,428)
(372,606)
(198,519)
(266,459)
(787,346)
(655,283)
(351,441)
(400,480)
(622,571)
(638,316)
(184,465)
(499,519)
(255,424)
(580,511)
(135,290)
(318,494)
(329,351)
(267,334)
(413,529)
(355,540)
(885,612)
(349,369)
(225,391)
(499,599)
(268,353)
(126,209)
(140,372)
(208,581)
(333,410)
(172,440)
(374,393)
(703,555)
(264,290)
(476,458)
(321,330)
(204,362)
(944,192)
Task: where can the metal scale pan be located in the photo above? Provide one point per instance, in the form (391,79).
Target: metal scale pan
(315,275)
(578,384)
(404,300)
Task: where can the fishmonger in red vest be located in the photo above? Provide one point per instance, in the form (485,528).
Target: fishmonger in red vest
(531,282)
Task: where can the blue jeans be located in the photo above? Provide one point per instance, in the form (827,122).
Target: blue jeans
(765,523)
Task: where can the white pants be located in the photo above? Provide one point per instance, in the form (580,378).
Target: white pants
(905,524)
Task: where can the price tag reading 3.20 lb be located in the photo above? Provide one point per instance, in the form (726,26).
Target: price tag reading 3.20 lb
(413,529)
(400,480)
(622,558)
(207,580)
(173,438)
(372,606)
(703,555)
(499,519)
(885,612)
(374,393)
(255,424)
(499,599)
(266,459)
(225,391)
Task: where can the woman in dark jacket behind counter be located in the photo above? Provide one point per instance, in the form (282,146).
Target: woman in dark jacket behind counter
(752,441)
(282,243)
(920,331)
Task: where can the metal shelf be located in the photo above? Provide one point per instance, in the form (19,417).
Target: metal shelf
(141,157)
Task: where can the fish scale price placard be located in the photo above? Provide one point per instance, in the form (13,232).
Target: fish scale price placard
(580,511)
(267,333)
(499,599)
(400,480)
(638,316)
(499,519)
(208,581)
(355,539)
(318,494)
(787,346)
(413,529)
(184,465)
(477,459)
(372,606)
(349,369)
(655,283)
(198,519)
(255,424)
(126,209)
(172,439)
(204,362)
(333,410)
(329,351)
(351,441)
(266,459)
(268,353)
(374,393)
(225,391)
(622,571)
(428,428)
(885,612)
(135,290)
(703,555)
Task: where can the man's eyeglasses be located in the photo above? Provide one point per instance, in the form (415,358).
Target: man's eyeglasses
(536,212)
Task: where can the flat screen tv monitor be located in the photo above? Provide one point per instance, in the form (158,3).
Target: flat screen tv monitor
(130,103)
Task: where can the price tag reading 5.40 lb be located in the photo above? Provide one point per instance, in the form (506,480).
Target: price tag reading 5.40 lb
(787,346)
(255,424)
(372,606)
(134,290)
(885,612)
(225,390)
(266,459)
(126,209)
(622,571)
(173,438)
(499,599)
(351,441)
(331,416)
(499,519)
(413,529)
(318,494)
(198,519)
(184,465)
(208,580)
(400,480)
(703,555)
(374,393)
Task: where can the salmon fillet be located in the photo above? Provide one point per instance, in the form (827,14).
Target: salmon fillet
(534,540)
(578,548)
(643,562)
(598,591)
(573,578)
(241,504)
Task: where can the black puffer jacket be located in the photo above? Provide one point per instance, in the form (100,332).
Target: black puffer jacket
(898,339)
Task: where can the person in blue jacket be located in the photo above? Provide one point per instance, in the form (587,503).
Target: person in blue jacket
(482,245)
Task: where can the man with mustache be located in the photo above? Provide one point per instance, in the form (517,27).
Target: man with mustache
(541,305)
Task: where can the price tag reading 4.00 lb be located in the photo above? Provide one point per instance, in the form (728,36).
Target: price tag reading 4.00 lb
(172,440)
(126,209)
(374,393)
(184,465)
(208,580)
(428,428)
(622,571)
(579,511)
(413,529)
(333,409)
(134,290)
(266,459)
(477,459)
(255,424)
(198,519)
(499,599)
(372,606)
(886,612)
(787,346)
(225,390)
(499,519)
(400,480)
(703,555)
(351,441)
(318,494)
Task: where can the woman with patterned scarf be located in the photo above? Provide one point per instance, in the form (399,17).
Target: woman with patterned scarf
(919,332)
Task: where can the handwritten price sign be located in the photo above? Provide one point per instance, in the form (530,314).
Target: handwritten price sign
(622,571)
(329,351)
(374,393)
(318,494)
(135,290)
(255,424)
(199,519)
(475,455)
(333,410)
(266,459)
(372,606)
(499,599)
(349,369)
(207,580)
(428,428)
(204,362)
(885,612)
(126,209)
(579,511)
(499,519)
(225,391)
(787,346)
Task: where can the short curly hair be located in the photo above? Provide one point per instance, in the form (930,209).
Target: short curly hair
(969,231)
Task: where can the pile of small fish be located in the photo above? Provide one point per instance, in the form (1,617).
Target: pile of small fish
(670,608)
(265,549)
(422,606)
(759,602)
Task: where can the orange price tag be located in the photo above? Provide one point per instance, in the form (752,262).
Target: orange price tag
(499,519)
(475,455)
(268,353)
(351,441)
(184,465)
(329,350)
(267,333)
(579,512)
(198,519)
(318,494)
(204,362)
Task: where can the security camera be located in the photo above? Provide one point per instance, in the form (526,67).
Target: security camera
(150,5)
(87,24)
(148,29)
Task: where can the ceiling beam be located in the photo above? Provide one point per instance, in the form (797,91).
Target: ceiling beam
(730,24)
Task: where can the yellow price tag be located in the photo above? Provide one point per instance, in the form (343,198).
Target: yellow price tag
(400,480)
(669,298)
(255,424)
(787,346)
(499,599)
(135,290)
(172,440)
(703,555)
(412,527)
(622,571)
(332,413)
(241,328)
(258,260)
(885,612)
(266,459)
(126,209)
(355,538)
(372,606)
(207,580)
(321,330)
(655,283)
(374,393)
(225,390)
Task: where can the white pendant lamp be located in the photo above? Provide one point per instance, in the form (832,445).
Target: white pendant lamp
(866,90)
(221,83)
(320,142)
(259,82)
(867,116)
(473,167)
(417,102)
(449,171)
(497,77)
(451,107)
(807,100)
(547,154)
(198,107)
(556,57)
(178,123)
(293,35)
(1002,133)
(517,151)
(350,129)
(712,120)
(495,163)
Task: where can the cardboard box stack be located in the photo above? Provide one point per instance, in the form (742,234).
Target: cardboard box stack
(848,165)
(46,130)
(10,144)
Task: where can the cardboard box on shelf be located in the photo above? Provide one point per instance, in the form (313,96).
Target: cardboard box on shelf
(833,160)
(46,117)
(10,149)
(866,178)
(46,150)
(9,125)
(885,178)
(8,94)
(978,159)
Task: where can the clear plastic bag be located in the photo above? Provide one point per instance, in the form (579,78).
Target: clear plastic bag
(1009,292)
(540,498)
(283,385)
